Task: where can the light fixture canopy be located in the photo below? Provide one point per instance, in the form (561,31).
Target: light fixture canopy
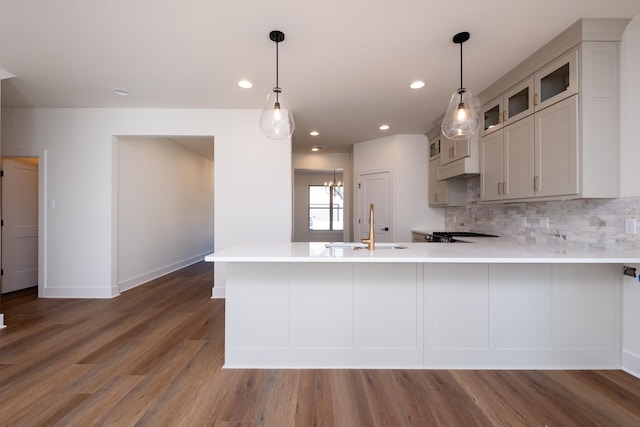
(276,120)
(461,121)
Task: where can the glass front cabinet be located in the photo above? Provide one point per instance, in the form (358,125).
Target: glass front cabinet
(556,81)
(513,105)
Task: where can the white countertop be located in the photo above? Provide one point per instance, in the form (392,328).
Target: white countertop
(479,250)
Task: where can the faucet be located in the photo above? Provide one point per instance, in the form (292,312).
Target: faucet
(370,241)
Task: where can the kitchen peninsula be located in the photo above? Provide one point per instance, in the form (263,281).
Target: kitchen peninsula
(481,305)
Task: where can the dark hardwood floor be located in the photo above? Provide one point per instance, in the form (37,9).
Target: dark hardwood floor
(153,356)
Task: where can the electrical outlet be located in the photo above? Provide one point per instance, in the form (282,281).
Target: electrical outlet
(630,226)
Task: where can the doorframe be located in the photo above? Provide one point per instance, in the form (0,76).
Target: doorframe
(358,200)
(41,155)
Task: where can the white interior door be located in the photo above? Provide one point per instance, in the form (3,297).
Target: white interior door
(20,224)
(376,188)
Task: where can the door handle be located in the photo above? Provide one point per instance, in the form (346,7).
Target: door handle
(384,229)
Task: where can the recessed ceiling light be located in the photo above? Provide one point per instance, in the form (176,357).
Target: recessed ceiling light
(384,127)
(318,148)
(245,84)
(120,92)
(314,133)
(417,84)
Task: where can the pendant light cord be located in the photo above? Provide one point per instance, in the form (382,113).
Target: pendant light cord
(277,81)
(461,87)
(277,84)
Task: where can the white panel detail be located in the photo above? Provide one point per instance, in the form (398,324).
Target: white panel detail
(258,301)
(586,304)
(390,312)
(325,306)
(520,301)
(456,306)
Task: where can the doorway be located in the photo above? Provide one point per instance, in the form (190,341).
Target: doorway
(163,205)
(376,188)
(23,222)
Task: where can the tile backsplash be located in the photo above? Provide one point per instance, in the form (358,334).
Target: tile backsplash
(594,223)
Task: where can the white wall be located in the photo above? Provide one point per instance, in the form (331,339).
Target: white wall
(630,152)
(165,208)
(80,178)
(406,157)
(630,109)
(2,325)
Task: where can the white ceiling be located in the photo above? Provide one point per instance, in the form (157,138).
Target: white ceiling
(344,65)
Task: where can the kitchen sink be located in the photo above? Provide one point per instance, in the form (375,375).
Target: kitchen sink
(356,245)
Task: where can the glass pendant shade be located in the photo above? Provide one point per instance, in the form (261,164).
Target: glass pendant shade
(276,120)
(461,121)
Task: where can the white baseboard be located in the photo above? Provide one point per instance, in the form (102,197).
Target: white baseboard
(218,293)
(90,293)
(631,363)
(2,325)
(131,283)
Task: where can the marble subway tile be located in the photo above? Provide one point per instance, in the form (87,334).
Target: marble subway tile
(596,223)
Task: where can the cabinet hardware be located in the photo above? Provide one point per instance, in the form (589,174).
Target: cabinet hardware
(505,188)
(499,188)
(535,99)
(504,116)
(536,183)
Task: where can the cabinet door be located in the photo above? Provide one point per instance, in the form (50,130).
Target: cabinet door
(435,198)
(492,116)
(518,101)
(519,159)
(491,161)
(556,139)
(454,150)
(557,81)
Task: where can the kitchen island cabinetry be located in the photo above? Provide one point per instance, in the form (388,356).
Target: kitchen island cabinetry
(445,306)
(573,144)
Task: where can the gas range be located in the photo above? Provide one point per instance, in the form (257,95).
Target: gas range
(450,236)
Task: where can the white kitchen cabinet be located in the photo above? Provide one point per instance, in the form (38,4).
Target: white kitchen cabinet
(563,143)
(457,160)
(556,152)
(556,81)
(508,159)
(513,105)
(492,166)
(442,193)
(519,101)
(492,116)
(453,150)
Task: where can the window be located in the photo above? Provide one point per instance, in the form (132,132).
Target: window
(326,207)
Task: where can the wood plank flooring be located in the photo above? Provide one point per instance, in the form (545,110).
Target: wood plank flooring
(153,357)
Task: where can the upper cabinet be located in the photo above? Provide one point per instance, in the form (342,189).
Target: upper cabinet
(514,104)
(550,127)
(557,81)
(451,150)
(443,192)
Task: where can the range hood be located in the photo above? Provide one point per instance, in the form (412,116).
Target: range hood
(463,167)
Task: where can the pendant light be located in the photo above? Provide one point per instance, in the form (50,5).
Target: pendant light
(276,120)
(461,121)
